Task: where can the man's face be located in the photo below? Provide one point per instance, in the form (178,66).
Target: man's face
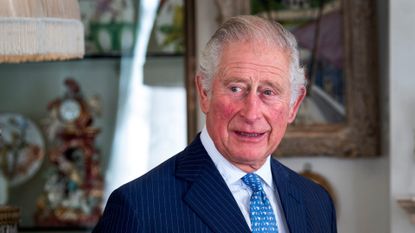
(248,108)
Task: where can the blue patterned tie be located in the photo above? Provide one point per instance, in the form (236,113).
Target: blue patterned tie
(260,210)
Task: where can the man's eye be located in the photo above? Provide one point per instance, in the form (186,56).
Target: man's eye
(268,92)
(235,89)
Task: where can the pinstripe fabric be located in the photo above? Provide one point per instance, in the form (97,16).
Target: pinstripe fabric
(187,194)
(307,206)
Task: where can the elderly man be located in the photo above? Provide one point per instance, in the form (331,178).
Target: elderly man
(250,87)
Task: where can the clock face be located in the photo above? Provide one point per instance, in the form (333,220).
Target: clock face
(70,110)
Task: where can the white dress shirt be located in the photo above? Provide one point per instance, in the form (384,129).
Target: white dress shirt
(240,191)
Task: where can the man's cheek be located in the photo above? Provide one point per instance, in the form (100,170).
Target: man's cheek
(278,121)
(226,111)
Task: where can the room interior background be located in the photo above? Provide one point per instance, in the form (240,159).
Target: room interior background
(367,189)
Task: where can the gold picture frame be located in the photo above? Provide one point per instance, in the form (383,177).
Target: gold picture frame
(358,135)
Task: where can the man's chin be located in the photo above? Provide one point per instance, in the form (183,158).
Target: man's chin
(249,158)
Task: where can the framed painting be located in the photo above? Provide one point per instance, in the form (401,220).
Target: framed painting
(337,41)
(167,36)
(110,26)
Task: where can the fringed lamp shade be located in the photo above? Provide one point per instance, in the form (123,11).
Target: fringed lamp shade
(40,30)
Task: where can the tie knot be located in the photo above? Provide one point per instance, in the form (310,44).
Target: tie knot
(253,181)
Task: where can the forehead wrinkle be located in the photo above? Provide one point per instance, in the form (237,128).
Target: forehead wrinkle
(256,67)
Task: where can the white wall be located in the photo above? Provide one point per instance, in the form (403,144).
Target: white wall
(402,110)
(361,185)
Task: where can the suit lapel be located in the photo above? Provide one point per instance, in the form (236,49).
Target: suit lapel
(208,195)
(291,198)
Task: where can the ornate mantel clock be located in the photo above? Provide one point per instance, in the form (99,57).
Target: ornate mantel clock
(73,191)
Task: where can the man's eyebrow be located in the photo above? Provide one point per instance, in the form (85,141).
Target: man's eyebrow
(270,83)
(233,79)
(273,85)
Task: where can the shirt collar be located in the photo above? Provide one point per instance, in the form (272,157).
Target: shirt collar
(230,173)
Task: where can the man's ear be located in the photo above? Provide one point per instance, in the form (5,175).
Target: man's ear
(296,105)
(202,94)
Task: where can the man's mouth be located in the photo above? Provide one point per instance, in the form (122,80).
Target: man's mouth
(249,134)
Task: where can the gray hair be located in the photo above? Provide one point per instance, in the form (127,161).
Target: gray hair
(251,28)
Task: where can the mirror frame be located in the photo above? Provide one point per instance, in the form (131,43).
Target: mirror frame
(359,135)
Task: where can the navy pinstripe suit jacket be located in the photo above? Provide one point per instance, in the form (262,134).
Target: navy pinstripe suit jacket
(186,194)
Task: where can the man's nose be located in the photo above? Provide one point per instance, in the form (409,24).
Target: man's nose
(251,107)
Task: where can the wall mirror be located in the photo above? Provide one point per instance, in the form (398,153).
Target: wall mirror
(337,40)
